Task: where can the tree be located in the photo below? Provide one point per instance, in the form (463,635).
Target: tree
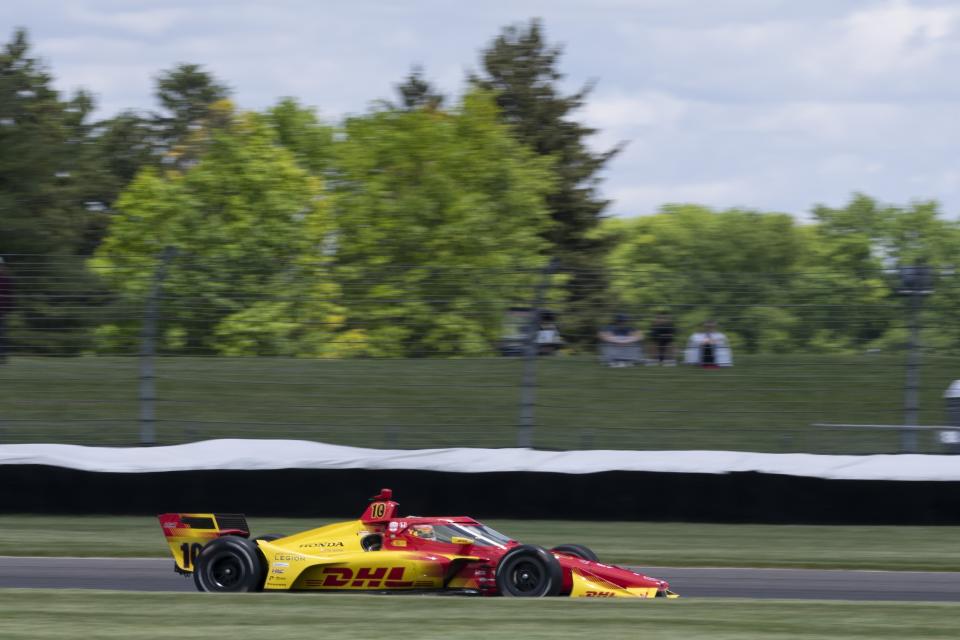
(522,70)
(299,130)
(862,245)
(440,218)
(124,144)
(46,172)
(416,92)
(778,286)
(186,94)
(248,225)
(194,104)
(733,266)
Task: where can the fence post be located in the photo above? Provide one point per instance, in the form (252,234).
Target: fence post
(528,384)
(911,389)
(148,392)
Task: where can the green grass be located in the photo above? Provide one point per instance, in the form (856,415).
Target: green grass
(633,543)
(764,403)
(42,614)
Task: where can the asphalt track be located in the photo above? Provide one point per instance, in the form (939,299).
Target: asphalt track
(156,574)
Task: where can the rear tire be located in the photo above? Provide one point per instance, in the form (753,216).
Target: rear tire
(528,571)
(229,565)
(270,537)
(578,550)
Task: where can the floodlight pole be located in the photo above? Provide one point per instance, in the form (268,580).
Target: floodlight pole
(528,385)
(916,282)
(148,392)
(911,389)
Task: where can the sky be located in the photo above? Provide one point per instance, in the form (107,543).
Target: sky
(773,105)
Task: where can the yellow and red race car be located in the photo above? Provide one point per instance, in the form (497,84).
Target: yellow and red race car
(383,552)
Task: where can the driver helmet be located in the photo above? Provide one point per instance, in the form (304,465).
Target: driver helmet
(424,531)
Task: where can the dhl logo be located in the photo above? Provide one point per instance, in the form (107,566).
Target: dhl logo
(371,578)
(600,594)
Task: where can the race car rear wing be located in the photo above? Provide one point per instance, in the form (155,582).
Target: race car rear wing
(381,508)
(186,533)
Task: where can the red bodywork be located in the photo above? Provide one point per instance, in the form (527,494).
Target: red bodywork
(479,574)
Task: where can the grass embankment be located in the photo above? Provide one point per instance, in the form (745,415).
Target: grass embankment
(42,614)
(764,403)
(633,543)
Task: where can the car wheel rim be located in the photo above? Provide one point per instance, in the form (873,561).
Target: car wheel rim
(526,577)
(226,572)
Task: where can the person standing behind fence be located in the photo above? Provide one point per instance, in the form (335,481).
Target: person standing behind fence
(709,348)
(548,335)
(6,305)
(661,333)
(620,344)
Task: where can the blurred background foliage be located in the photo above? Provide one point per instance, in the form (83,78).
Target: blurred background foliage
(410,229)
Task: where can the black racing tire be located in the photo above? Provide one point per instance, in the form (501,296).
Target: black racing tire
(230,564)
(270,537)
(528,571)
(578,550)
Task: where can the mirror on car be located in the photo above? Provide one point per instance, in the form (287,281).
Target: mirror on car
(461,540)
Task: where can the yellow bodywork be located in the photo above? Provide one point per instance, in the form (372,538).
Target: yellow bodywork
(186,542)
(329,558)
(587,585)
(332,558)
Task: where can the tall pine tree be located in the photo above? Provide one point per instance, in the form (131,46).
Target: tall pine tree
(177,136)
(47,167)
(522,69)
(416,92)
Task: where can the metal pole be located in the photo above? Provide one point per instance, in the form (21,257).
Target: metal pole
(911,389)
(528,384)
(148,393)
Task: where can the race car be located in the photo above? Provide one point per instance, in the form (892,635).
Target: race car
(384,553)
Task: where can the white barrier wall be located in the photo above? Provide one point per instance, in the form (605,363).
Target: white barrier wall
(296,454)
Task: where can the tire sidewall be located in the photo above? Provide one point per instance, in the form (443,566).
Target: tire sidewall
(246,556)
(551,574)
(580,551)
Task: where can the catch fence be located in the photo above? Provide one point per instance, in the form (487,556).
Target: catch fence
(171,348)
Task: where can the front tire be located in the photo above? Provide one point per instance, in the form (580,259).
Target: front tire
(577,550)
(229,565)
(528,571)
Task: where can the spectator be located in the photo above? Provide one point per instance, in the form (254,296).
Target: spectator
(620,343)
(661,333)
(709,348)
(6,305)
(548,336)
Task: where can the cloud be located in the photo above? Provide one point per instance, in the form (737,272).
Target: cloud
(824,122)
(644,109)
(896,37)
(772,104)
(150,21)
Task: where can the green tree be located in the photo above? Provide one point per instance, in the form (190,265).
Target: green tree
(193,103)
(734,266)
(854,263)
(299,130)
(440,218)
(46,172)
(248,225)
(523,70)
(416,92)
(186,93)
(122,145)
